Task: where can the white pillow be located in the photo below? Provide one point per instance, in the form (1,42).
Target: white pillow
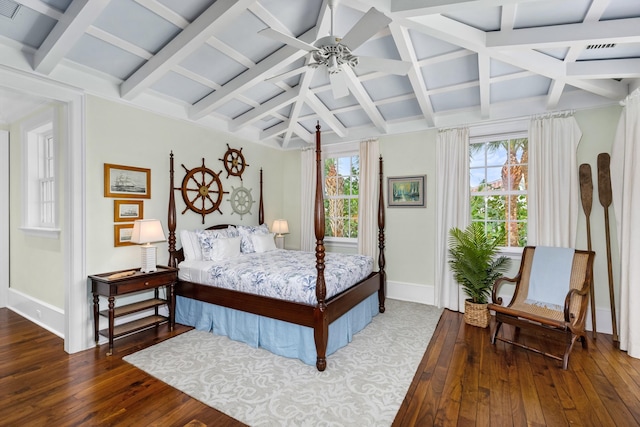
(224,248)
(190,245)
(263,242)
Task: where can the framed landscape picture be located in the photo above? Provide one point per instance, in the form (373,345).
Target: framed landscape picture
(127,182)
(406,191)
(127,210)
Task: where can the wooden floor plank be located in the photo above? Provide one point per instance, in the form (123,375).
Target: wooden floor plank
(462,380)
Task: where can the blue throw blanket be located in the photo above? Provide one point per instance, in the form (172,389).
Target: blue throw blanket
(550,276)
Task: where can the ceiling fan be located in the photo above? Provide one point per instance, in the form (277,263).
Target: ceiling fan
(335,53)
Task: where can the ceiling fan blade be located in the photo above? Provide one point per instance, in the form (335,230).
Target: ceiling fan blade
(339,85)
(286,39)
(372,22)
(391,66)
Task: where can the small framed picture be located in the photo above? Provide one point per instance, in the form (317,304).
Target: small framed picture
(122,234)
(406,191)
(127,210)
(127,182)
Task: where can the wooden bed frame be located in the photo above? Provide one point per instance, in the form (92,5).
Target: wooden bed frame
(317,316)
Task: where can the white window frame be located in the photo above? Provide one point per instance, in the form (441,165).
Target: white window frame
(33,132)
(348,149)
(499,131)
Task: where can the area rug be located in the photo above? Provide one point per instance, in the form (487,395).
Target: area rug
(363,385)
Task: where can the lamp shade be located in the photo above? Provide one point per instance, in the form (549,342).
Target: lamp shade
(280,226)
(147,231)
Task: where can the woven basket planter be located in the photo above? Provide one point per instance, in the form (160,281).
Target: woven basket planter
(476,314)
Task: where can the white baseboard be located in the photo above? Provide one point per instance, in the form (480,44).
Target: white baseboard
(41,313)
(425,294)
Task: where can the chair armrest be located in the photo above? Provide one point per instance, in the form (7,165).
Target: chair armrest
(567,300)
(496,285)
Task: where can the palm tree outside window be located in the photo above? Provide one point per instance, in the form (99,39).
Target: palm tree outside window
(498,172)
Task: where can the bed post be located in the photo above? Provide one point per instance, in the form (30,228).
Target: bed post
(321,321)
(171,217)
(260,204)
(381,260)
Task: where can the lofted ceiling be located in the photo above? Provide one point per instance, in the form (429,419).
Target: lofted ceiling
(208,62)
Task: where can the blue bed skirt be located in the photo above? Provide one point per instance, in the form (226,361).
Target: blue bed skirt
(277,336)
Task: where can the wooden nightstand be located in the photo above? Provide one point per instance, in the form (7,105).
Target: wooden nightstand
(125,282)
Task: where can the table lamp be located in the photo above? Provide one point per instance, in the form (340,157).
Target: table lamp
(280,227)
(145,232)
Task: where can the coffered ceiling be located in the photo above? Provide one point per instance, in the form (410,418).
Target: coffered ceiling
(210,62)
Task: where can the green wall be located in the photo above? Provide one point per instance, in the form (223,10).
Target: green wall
(121,135)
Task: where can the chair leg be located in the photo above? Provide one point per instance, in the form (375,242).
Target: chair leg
(571,339)
(495,332)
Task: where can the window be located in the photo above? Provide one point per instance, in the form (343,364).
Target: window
(498,173)
(341,184)
(40,195)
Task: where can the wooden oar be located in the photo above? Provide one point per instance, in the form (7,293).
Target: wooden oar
(604,193)
(586,194)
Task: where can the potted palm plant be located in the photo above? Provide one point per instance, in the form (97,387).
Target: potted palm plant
(475,265)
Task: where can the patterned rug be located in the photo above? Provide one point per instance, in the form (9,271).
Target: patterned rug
(363,385)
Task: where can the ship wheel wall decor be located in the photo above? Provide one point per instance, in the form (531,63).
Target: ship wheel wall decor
(234,162)
(241,201)
(202,190)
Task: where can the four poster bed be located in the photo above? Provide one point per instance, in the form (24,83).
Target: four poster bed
(312,322)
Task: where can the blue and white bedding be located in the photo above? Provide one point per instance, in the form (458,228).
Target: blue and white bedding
(281,274)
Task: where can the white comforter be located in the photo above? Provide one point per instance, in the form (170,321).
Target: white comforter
(282,274)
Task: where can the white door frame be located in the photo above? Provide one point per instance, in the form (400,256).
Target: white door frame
(4,217)
(78,335)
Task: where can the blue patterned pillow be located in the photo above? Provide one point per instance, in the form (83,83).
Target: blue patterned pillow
(206,238)
(246,245)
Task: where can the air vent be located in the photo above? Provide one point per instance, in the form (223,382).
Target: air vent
(8,8)
(601,46)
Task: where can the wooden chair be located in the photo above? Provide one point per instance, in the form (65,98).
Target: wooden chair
(551,295)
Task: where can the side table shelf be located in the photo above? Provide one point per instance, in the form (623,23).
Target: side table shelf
(124,282)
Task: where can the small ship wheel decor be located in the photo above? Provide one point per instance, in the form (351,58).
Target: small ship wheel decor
(241,200)
(202,190)
(234,162)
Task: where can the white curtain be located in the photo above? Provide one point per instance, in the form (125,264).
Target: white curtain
(368,194)
(452,152)
(307,199)
(553,180)
(625,177)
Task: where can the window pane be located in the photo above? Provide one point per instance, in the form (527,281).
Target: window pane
(498,169)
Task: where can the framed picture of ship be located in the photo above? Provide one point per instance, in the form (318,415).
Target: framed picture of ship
(128,210)
(127,182)
(406,191)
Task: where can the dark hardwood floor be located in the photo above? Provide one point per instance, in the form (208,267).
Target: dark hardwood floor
(462,380)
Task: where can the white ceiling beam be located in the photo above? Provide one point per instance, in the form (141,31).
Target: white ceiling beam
(264,69)
(596,9)
(363,98)
(274,130)
(164,12)
(484,73)
(70,27)
(326,115)
(219,15)
(42,7)
(407,8)
(508,17)
(408,53)
(110,38)
(605,69)
(221,46)
(303,93)
(614,31)
(462,35)
(255,114)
